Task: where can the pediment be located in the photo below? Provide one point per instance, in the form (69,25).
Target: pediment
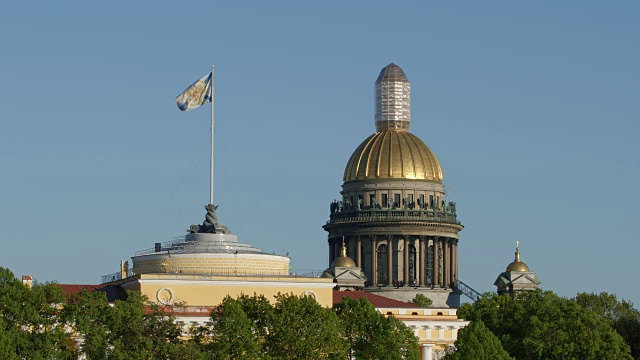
(347,274)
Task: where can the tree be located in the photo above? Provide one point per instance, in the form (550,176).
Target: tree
(130,329)
(250,327)
(89,312)
(422,301)
(30,323)
(619,314)
(476,342)
(300,328)
(542,325)
(232,334)
(371,335)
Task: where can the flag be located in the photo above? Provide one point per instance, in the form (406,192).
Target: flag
(199,93)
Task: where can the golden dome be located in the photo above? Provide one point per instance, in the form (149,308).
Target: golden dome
(517,265)
(393,155)
(343,260)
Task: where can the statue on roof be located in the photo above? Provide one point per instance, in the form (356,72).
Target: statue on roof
(210,224)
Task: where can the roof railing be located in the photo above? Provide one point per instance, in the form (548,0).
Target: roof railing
(392,215)
(208,272)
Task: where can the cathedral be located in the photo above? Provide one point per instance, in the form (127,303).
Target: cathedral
(393,213)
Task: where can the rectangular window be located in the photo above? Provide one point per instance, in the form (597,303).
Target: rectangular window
(396,200)
(351,202)
(430,201)
(383,201)
(372,200)
(421,199)
(410,201)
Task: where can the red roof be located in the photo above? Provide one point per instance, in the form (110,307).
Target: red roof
(114,292)
(377,300)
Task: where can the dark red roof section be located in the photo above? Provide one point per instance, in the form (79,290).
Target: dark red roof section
(377,300)
(113,292)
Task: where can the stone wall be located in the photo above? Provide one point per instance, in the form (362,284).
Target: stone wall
(215,264)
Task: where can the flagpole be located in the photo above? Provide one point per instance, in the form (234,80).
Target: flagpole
(211,162)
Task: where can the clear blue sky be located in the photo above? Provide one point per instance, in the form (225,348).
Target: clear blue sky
(531,108)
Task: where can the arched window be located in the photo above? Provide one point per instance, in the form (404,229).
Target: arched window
(429,272)
(412,264)
(382,264)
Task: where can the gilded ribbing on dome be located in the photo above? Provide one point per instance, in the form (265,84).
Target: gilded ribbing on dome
(393,155)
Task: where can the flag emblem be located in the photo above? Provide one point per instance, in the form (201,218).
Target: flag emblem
(198,94)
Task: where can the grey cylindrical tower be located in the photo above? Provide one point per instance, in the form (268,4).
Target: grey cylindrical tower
(392,99)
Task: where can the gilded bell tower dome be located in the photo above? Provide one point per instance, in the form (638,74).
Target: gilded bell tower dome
(517,277)
(394,211)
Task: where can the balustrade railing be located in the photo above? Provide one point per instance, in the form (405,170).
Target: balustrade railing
(204,271)
(392,215)
(115,276)
(175,244)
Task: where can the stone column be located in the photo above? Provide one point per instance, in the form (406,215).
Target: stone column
(390,260)
(330,252)
(436,275)
(454,270)
(406,260)
(359,251)
(374,261)
(423,254)
(447,263)
(426,352)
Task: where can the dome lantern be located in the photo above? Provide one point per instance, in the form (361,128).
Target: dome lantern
(392,99)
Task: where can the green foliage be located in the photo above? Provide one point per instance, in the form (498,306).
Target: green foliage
(130,329)
(233,334)
(476,342)
(422,300)
(542,325)
(251,328)
(371,335)
(619,314)
(30,326)
(302,329)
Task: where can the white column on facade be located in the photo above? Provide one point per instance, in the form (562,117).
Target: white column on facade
(427,353)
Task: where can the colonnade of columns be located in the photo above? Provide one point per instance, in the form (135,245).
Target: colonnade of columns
(442,270)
